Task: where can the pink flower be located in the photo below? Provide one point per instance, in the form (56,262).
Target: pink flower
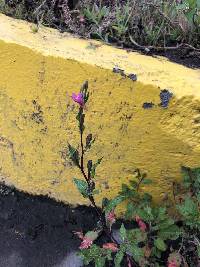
(172,264)
(111,218)
(141,224)
(78,98)
(111,246)
(86,243)
(81,19)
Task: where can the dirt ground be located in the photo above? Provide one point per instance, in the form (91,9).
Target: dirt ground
(38,232)
(185,57)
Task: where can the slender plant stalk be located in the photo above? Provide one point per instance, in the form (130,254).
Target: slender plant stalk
(91,198)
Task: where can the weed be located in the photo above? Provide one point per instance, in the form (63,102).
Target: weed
(158,239)
(144,24)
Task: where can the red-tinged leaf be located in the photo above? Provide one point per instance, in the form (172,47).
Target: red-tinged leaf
(129,262)
(147,251)
(175,260)
(86,243)
(111,246)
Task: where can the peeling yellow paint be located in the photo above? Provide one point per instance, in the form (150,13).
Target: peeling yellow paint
(37,118)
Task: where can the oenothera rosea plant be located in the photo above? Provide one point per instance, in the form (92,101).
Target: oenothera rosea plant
(87,185)
(145,244)
(140,246)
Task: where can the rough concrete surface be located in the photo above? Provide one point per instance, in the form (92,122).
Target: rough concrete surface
(133,128)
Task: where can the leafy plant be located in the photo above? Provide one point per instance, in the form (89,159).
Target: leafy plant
(145,25)
(97,255)
(190,204)
(96,13)
(153,230)
(122,18)
(191,10)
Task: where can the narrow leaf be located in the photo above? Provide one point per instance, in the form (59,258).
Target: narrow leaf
(123,232)
(160,244)
(118,258)
(93,169)
(74,154)
(92,235)
(114,202)
(82,186)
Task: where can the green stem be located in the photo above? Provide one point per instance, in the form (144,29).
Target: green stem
(91,198)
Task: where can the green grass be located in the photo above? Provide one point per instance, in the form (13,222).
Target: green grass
(143,24)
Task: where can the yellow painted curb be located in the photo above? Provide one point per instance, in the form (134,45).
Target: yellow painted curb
(39,71)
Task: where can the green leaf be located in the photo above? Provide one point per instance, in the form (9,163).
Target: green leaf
(90,254)
(105,202)
(163,223)
(191,178)
(183,6)
(136,252)
(100,262)
(190,212)
(92,235)
(131,210)
(172,233)
(118,258)
(196,184)
(146,214)
(198,197)
(129,193)
(114,202)
(74,154)
(156,252)
(160,215)
(147,198)
(160,244)
(82,187)
(94,166)
(89,141)
(188,208)
(123,232)
(136,236)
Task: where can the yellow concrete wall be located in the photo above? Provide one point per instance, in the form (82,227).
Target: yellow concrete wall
(39,71)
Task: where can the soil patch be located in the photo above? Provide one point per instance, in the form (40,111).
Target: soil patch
(185,57)
(38,231)
(101,20)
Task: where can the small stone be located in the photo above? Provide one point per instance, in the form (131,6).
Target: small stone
(119,71)
(133,77)
(165,97)
(148,105)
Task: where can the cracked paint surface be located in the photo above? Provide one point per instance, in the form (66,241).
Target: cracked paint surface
(37,116)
